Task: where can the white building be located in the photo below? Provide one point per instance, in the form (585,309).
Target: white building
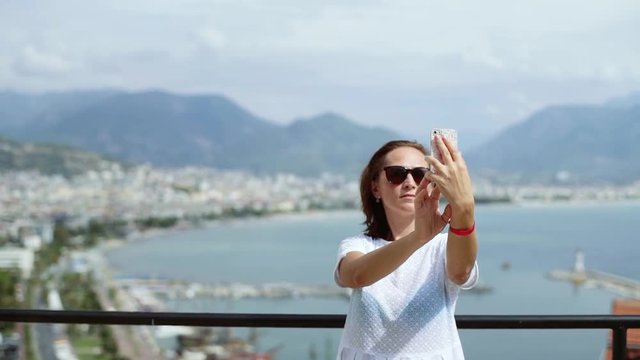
(33,242)
(17,258)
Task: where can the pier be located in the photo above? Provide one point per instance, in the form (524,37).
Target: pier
(579,275)
(173,289)
(149,292)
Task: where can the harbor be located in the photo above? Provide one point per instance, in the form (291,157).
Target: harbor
(195,343)
(153,294)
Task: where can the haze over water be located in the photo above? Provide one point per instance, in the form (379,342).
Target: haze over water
(535,239)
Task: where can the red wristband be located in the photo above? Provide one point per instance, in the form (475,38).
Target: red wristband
(463,232)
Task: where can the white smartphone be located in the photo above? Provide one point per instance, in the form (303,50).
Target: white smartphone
(450,134)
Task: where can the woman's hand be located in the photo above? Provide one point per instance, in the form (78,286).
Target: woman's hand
(452,179)
(429,221)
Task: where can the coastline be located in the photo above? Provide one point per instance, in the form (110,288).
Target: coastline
(184,226)
(150,235)
(572,203)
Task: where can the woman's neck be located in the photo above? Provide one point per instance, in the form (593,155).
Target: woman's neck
(401,226)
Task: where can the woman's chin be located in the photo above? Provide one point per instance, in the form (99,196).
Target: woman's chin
(407,208)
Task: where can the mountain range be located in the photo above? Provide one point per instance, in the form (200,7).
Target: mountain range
(175,130)
(570,143)
(575,143)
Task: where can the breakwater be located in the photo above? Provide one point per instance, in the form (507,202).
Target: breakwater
(174,289)
(581,276)
(617,284)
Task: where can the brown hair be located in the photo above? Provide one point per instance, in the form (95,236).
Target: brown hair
(376,222)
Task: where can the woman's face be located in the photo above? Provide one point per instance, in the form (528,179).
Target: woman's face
(398,199)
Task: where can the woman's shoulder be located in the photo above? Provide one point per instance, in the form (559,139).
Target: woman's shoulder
(364,237)
(360,239)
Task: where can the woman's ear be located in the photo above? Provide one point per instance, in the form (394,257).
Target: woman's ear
(375,189)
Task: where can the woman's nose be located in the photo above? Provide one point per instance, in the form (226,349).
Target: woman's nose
(409,182)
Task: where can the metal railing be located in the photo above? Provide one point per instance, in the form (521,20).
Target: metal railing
(617,323)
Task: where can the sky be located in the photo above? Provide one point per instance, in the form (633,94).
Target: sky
(407,65)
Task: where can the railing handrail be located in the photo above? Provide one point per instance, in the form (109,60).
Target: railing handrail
(617,323)
(305,320)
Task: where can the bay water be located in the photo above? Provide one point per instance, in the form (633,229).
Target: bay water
(534,239)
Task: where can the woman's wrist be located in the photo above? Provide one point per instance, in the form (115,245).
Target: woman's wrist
(463,232)
(421,237)
(462,216)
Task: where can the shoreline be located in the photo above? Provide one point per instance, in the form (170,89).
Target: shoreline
(319,214)
(117,244)
(207,224)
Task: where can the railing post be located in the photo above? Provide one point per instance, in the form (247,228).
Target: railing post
(619,343)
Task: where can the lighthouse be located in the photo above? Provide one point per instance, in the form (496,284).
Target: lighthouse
(578,266)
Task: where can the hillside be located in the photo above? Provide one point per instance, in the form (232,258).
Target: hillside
(571,144)
(50,159)
(209,130)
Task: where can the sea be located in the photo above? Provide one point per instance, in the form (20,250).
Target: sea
(533,239)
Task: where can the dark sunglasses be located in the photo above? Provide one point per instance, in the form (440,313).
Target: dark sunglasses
(397,174)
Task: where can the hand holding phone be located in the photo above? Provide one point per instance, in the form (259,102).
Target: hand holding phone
(449,134)
(456,186)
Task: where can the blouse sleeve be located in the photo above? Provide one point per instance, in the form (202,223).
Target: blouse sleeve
(355,243)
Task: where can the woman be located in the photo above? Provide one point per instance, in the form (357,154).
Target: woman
(406,274)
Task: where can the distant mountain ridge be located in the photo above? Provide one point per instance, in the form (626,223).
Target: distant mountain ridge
(18,110)
(176,130)
(567,144)
(559,144)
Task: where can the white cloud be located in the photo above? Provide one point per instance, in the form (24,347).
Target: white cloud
(210,38)
(539,38)
(34,62)
(373,60)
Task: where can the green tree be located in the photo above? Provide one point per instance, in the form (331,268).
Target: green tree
(9,280)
